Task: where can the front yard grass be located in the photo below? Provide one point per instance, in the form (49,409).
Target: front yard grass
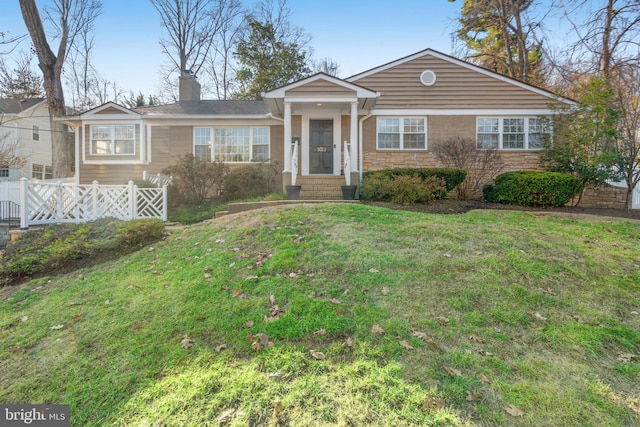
(341,315)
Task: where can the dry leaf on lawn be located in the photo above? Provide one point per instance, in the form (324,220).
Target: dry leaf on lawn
(248,324)
(334,300)
(317,355)
(320,332)
(432,344)
(186,342)
(226,416)
(421,335)
(452,371)
(442,320)
(472,396)
(24,319)
(272,299)
(476,338)
(513,410)
(56,327)
(626,357)
(276,376)
(432,403)
(277,411)
(485,379)
(220,348)
(376,329)
(405,345)
(373,270)
(137,325)
(385,291)
(349,342)
(77,316)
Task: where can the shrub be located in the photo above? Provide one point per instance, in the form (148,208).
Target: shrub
(451,177)
(480,165)
(61,247)
(373,182)
(527,188)
(248,182)
(195,180)
(404,189)
(374,185)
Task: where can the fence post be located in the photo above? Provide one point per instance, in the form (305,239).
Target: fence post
(59,201)
(144,175)
(165,211)
(94,200)
(131,188)
(24,221)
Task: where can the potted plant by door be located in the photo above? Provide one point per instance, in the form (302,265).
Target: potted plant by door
(293,192)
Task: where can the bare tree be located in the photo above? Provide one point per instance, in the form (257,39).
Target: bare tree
(9,42)
(10,157)
(327,66)
(608,38)
(21,81)
(462,153)
(221,67)
(191,26)
(625,80)
(70,18)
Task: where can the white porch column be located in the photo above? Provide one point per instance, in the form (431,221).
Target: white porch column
(354,137)
(287,137)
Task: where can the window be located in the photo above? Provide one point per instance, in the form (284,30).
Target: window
(48,172)
(202,143)
(113,139)
(4,173)
(37,171)
(232,144)
(517,133)
(398,133)
(36,133)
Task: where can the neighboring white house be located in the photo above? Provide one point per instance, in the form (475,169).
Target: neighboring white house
(24,123)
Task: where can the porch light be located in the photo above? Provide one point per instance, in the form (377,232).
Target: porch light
(319,104)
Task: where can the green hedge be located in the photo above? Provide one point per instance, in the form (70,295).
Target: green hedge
(528,188)
(379,185)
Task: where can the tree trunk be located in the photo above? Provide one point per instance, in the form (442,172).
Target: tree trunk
(51,67)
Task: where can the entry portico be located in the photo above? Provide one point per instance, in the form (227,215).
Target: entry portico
(320,113)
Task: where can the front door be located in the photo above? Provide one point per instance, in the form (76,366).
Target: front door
(321,146)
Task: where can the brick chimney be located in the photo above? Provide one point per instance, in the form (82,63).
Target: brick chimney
(189,87)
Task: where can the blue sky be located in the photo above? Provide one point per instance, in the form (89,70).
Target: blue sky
(357,34)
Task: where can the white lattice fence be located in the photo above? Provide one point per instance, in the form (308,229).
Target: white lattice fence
(46,203)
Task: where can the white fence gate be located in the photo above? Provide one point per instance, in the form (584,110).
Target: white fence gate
(52,203)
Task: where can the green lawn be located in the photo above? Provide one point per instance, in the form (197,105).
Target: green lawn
(345,315)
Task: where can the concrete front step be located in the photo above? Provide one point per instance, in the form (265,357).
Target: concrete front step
(320,187)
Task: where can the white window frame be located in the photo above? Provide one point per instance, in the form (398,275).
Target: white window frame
(35,133)
(112,127)
(4,172)
(501,132)
(211,142)
(402,133)
(37,171)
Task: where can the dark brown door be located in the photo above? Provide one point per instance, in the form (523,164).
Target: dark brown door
(321,146)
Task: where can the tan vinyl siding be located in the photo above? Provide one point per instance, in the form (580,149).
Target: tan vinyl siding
(320,88)
(120,157)
(455,87)
(110,110)
(168,143)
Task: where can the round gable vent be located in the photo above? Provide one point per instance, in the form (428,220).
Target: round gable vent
(428,78)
